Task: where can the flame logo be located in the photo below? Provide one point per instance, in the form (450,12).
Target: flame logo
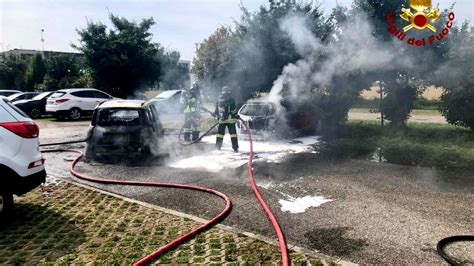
(421,18)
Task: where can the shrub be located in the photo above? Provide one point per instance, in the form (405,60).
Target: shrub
(458,107)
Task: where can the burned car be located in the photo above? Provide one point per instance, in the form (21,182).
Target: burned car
(267,120)
(123,129)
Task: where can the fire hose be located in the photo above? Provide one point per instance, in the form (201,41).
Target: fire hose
(449,240)
(181,239)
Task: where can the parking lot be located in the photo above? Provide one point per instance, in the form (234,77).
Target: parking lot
(360,211)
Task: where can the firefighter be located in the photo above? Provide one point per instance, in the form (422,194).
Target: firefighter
(226,113)
(192,102)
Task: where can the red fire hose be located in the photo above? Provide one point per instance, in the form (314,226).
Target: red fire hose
(181,239)
(266,208)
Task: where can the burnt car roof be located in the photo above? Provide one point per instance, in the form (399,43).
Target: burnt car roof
(122,104)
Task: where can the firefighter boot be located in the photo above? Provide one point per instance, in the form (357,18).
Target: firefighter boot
(195,135)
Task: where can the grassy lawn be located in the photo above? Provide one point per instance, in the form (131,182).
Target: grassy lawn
(423,144)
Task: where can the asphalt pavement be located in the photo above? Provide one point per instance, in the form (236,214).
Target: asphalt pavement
(378,213)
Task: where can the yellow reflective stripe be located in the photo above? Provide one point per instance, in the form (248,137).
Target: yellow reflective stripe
(228,121)
(220,136)
(233,135)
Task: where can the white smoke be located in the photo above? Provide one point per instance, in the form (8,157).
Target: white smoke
(354,49)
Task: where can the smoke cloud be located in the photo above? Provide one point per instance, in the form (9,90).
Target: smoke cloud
(354,50)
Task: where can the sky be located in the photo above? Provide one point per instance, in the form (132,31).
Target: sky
(180,24)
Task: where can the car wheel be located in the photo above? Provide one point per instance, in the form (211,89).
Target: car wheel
(35,113)
(75,114)
(6,203)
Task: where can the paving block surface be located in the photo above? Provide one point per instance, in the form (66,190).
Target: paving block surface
(76,225)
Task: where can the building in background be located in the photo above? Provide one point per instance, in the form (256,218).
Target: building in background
(30,53)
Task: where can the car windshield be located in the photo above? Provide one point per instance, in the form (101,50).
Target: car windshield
(257,109)
(118,117)
(41,95)
(13,96)
(166,95)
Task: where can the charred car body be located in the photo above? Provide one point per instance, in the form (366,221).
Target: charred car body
(123,129)
(267,120)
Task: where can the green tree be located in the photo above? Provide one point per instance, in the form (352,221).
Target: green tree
(455,75)
(264,48)
(457,105)
(214,58)
(122,59)
(172,74)
(62,72)
(253,55)
(12,72)
(35,72)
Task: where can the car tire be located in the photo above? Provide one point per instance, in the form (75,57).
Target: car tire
(35,113)
(6,204)
(75,114)
(146,151)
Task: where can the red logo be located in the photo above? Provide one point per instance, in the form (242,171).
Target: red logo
(420,20)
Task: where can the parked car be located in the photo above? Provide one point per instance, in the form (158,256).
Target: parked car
(124,128)
(75,103)
(21,162)
(35,107)
(22,96)
(6,93)
(168,102)
(267,122)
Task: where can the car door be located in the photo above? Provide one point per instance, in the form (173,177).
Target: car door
(175,102)
(86,100)
(153,113)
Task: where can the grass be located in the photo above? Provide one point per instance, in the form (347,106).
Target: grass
(431,112)
(423,144)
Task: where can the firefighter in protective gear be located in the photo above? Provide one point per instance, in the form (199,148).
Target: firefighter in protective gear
(192,102)
(226,112)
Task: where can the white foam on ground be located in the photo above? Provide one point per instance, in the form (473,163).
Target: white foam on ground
(52,181)
(299,205)
(272,151)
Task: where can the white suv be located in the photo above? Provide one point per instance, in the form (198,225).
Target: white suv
(74,103)
(21,162)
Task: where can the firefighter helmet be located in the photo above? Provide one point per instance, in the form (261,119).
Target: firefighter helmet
(225,89)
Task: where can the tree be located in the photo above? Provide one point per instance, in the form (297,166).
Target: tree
(253,55)
(214,58)
(12,72)
(457,105)
(62,72)
(173,75)
(455,75)
(35,72)
(121,59)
